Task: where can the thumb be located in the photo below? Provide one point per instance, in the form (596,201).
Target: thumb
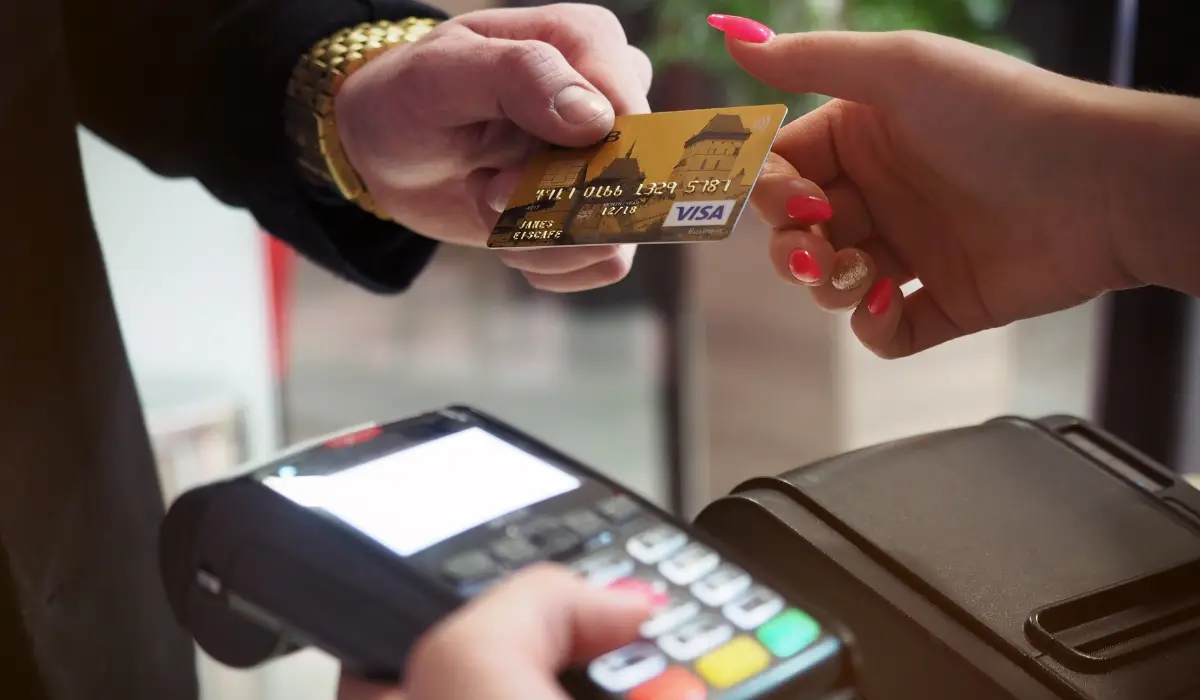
(518,636)
(541,93)
(866,67)
(458,78)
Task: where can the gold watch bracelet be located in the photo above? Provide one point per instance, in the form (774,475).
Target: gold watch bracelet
(310,117)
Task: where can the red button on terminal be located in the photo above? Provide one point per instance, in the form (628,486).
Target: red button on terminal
(675,684)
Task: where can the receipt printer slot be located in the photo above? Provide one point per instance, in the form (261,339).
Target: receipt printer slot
(1101,630)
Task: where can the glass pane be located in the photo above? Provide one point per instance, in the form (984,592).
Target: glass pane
(578,371)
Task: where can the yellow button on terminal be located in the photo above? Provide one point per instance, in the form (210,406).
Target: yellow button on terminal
(733,663)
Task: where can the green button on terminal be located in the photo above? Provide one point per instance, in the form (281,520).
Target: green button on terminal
(788,633)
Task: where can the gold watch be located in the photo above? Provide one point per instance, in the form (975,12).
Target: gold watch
(309,114)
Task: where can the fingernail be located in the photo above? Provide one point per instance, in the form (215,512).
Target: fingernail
(742,29)
(849,271)
(644,590)
(804,266)
(500,189)
(879,299)
(809,210)
(578,105)
(498,193)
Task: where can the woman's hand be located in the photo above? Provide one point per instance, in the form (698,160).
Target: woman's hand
(982,176)
(514,640)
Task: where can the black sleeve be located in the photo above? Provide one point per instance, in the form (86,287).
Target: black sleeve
(196,88)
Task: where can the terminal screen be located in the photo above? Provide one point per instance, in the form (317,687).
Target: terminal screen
(414,498)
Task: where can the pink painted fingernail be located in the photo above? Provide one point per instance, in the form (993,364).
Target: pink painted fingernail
(879,299)
(641,589)
(803,266)
(742,29)
(809,210)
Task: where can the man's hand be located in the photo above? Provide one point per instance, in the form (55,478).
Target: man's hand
(514,640)
(440,130)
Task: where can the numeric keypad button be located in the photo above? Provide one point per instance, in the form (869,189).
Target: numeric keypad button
(721,586)
(695,638)
(605,567)
(470,568)
(585,523)
(754,608)
(692,563)
(627,667)
(678,610)
(653,545)
(619,509)
(515,550)
(552,539)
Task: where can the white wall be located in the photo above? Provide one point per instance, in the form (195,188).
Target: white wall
(1032,368)
(1056,362)
(955,384)
(188,279)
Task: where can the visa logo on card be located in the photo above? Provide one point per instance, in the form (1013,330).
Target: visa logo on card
(700,213)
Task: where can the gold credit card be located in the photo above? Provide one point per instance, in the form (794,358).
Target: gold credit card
(670,177)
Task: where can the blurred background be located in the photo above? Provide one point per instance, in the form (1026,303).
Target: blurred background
(697,372)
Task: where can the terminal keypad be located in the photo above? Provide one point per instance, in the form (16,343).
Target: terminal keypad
(717,629)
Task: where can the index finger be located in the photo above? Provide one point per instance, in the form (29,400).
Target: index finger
(591,39)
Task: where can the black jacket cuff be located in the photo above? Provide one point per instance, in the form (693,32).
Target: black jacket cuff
(381,256)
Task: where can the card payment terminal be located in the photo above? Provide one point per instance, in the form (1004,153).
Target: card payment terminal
(358,543)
